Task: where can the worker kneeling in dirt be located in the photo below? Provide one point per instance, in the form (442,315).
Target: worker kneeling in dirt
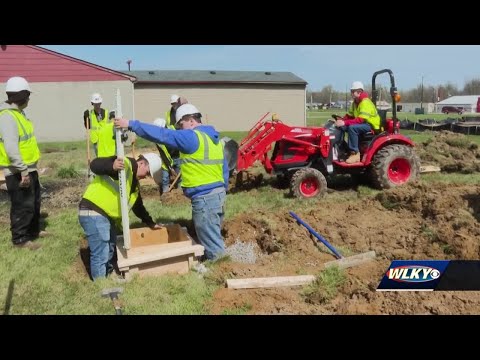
(361,118)
(99,210)
(204,170)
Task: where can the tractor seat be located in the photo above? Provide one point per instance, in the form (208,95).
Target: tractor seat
(383,125)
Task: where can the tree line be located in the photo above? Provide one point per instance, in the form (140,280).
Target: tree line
(422,93)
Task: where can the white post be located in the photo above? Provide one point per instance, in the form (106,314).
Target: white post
(122,177)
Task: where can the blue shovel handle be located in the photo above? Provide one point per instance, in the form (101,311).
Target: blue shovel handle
(318,236)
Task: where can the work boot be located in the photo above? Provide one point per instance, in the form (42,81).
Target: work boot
(353,158)
(28,244)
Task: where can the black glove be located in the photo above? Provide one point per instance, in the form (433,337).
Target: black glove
(124,136)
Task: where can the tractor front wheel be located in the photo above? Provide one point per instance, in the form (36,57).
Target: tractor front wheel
(394,165)
(308,183)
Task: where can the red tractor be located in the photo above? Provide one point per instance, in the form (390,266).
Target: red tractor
(306,156)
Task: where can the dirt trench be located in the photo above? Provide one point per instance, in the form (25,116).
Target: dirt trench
(412,222)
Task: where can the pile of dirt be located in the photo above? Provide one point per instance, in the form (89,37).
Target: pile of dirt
(452,152)
(410,222)
(246,180)
(62,193)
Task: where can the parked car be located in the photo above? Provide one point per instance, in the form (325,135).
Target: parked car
(453,109)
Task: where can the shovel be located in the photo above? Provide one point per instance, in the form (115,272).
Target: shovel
(342,261)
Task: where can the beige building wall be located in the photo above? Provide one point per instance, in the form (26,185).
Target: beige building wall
(56,109)
(227,107)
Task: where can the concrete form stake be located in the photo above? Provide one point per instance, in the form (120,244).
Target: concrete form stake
(122,177)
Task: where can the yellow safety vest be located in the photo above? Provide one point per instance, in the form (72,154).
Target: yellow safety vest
(167,155)
(106,140)
(204,166)
(367,111)
(27,143)
(96,125)
(104,192)
(167,120)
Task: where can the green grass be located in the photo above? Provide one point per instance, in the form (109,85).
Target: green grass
(68,172)
(452,178)
(52,279)
(326,285)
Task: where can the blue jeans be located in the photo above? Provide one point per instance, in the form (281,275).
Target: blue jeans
(165,180)
(208,212)
(101,237)
(354,131)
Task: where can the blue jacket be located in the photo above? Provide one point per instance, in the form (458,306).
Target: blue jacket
(187,142)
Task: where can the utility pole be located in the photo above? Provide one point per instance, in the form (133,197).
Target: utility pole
(128,63)
(346,97)
(421,97)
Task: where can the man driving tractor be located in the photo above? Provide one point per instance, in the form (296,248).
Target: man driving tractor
(361,118)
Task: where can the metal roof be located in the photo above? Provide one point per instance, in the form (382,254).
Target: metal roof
(460,99)
(215,76)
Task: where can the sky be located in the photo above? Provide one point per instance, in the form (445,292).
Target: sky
(319,65)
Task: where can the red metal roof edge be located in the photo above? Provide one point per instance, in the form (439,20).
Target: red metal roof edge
(129,77)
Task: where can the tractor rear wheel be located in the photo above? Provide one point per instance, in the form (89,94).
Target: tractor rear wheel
(308,183)
(394,165)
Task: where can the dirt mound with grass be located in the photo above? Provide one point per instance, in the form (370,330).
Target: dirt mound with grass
(62,193)
(416,221)
(452,152)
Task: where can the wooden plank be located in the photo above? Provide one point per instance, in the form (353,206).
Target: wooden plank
(170,234)
(146,236)
(351,261)
(146,254)
(429,169)
(177,265)
(270,282)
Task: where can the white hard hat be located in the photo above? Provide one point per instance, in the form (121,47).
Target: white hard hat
(174,99)
(185,109)
(16,84)
(155,165)
(357,85)
(160,122)
(96,98)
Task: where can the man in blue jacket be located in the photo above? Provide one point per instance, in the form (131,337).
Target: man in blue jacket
(204,170)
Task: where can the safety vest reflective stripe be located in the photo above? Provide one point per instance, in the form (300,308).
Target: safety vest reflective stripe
(206,155)
(197,161)
(21,138)
(114,184)
(367,114)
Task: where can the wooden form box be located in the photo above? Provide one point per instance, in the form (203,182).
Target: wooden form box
(157,252)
